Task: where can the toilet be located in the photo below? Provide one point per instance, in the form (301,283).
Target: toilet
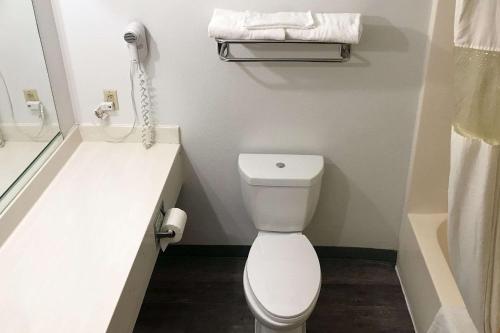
(282,276)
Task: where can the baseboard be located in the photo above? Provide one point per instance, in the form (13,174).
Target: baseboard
(383,255)
(242,251)
(206,251)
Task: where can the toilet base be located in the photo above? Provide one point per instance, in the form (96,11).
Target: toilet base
(259,328)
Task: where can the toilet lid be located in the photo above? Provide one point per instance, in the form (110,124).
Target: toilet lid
(283,273)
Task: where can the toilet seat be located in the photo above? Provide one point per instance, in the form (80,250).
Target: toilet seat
(283,276)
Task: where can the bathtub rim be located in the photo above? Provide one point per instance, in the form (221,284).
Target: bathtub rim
(428,229)
(425,276)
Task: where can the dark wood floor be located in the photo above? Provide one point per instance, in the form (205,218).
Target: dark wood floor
(205,294)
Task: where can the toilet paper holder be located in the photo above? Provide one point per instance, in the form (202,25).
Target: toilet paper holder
(159,233)
(165,234)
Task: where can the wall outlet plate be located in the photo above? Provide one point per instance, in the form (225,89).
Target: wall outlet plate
(111,96)
(30,95)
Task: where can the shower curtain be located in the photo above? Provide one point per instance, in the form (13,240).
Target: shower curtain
(474,190)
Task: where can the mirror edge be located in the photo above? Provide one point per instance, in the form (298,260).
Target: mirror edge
(52,51)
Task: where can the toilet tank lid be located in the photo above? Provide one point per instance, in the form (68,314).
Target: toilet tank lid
(281,169)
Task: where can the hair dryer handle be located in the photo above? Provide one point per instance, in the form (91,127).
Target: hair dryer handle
(134,54)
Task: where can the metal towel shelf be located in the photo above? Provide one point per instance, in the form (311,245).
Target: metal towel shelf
(225,55)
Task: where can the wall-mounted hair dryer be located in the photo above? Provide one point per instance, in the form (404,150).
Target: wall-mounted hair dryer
(137,43)
(135,36)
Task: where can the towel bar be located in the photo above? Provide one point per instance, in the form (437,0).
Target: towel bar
(223,46)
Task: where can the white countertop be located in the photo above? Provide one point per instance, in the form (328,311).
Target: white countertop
(64,267)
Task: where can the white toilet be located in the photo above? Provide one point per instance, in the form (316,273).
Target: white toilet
(282,275)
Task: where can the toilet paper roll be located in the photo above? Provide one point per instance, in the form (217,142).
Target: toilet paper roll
(175,220)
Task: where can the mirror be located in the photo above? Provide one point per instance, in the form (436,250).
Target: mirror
(28,119)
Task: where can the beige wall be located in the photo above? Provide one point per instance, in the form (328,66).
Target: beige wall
(427,187)
(428,181)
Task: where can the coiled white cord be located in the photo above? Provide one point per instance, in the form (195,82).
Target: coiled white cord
(147,133)
(13,116)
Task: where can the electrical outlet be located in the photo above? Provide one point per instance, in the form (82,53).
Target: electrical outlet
(111,96)
(31,95)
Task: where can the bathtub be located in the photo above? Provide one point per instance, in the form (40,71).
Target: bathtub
(423,268)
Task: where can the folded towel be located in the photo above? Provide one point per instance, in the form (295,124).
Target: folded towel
(284,20)
(330,27)
(228,24)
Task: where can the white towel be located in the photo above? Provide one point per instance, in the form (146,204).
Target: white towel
(228,24)
(283,20)
(331,27)
(452,319)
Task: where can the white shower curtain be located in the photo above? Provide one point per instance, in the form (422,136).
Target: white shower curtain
(474,190)
(473,230)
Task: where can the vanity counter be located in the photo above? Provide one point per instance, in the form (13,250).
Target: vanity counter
(81,258)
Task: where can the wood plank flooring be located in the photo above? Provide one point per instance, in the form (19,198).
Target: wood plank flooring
(205,294)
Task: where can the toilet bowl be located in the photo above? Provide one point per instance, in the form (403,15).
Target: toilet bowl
(282,280)
(282,276)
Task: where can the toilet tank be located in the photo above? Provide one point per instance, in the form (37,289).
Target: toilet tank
(280,191)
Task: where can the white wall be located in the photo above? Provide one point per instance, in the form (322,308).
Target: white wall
(359,115)
(22,62)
